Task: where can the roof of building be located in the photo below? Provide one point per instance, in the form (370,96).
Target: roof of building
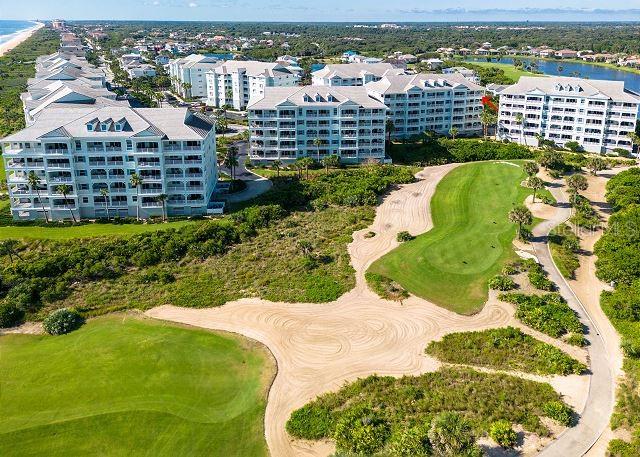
(330,96)
(353,70)
(401,83)
(252,68)
(564,85)
(196,59)
(167,123)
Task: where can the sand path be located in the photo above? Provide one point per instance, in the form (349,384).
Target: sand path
(319,347)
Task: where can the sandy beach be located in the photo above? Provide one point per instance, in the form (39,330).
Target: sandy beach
(19,38)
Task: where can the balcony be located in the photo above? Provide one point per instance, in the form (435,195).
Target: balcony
(193,175)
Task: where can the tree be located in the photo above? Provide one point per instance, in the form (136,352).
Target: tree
(520,121)
(222,124)
(186,87)
(551,160)
(104,192)
(635,139)
(453,131)
(231,160)
(64,189)
(536,184)
(136,182)
(34,181)
(596,164)
(540,138)
(162,198)
(10,247)
(576,183)
(487,118)
(531,168)
(332,161)
(317,142)
(305,162)
(276,165)
(450,434)
(390,127)
(522,216)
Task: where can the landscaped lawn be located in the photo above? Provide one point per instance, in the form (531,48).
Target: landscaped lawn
(131,386)
(83,231)
(471,239)
(509,70)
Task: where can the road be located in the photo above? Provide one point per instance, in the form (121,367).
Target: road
(256,184)
(577,440)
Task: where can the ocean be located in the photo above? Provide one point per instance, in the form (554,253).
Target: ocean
(9,29)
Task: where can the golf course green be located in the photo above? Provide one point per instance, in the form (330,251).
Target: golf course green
(471,239)
(123,385)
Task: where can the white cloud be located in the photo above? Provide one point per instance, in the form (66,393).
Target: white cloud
(193,5)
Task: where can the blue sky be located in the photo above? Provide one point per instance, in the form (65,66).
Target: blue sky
(325,10)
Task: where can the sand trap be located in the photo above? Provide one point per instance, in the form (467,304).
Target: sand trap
(319,347)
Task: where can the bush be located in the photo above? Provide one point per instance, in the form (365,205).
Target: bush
(451,434)
(618,248)
(310,423)
(624,189)
(404,236)
(503,433)
(548,314)
(361,431)
(577,339)
(559,411)
(510,269)
(369,234)
(385,287)
(501,282)
(411,442)
(538,277)
(10,315)
(573,146)
(62,321)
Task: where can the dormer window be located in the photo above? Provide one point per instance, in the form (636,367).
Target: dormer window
(118,127)
(103,127)
(90,127)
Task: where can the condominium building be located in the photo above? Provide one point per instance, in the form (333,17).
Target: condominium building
(188,74)
(94,150)
(235,82)
(287,123)
(352,74)
(429,102)
(597,114)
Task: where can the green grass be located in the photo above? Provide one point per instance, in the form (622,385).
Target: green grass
(471,240)
(509,70)
(126,386)
(82,231)
(504,349)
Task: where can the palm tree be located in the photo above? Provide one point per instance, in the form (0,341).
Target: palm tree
(520,122)
(317,142)
(453,131)
(104,192)
(276,165)
(34,180)
(522,216)
(136,182)
(576,183)
(231,160)
(64,189)
(332,161)
(228,95)
(536,184)
(596,164)
(9,247)
(391,127)
(487,118)
(305,162)
(162,198)
(186,87)
(222,124)
(530,168)
(635,140)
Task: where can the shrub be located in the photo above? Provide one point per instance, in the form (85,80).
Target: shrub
(310,423)
(62,321)
(538,278)
(385,287)
(404,236)
(618,248)
(10,315)
(369,234)
(361,431)
(503,433)
(573,146)
(576,339)
(411,442)
(451,434)
(501,282)
(624,189)
(548,314)
(559,411)
(510,269)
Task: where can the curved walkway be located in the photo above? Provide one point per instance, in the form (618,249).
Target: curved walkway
(577,441)
(319,347)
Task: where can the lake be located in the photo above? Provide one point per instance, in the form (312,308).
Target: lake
(580,70)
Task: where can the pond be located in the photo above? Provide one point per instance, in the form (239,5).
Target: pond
(580,70)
